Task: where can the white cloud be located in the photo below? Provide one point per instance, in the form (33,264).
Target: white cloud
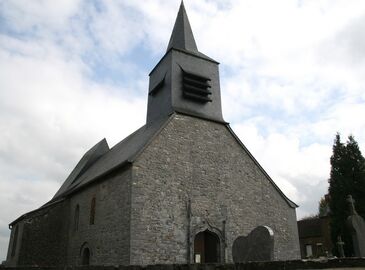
(48,104)
(39,13)
(50,114)
(18,197)
(296,76)
(300,171)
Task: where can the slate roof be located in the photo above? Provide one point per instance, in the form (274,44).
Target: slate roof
(85,163)
(310,227)
(182,38)
(100,160)
(122,153)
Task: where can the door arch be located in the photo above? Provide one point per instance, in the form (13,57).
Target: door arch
(85,256)
(206,247)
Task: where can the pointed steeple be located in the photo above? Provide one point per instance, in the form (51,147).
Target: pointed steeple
(182,36)
(185,80)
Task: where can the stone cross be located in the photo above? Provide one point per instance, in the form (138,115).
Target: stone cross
(356,225)
(340,245)
(351,202)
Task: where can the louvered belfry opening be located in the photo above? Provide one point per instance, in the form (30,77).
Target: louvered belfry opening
(196,87)
(185,80)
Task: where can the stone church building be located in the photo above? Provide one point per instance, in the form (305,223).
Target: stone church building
(178,190)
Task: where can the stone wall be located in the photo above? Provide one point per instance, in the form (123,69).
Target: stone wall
(198,160)
(108,237)
(49,236)
(41,237)
(14,243)
(338,264)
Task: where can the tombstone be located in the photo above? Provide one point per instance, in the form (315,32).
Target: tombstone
(258,245)
(356,224)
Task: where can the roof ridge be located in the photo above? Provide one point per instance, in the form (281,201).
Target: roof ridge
(126,151)
(288,201)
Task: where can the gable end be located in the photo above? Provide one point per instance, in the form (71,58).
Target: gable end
(288,201)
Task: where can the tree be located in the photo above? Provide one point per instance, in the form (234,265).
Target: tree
(357,162)
(347,177)
(323,207)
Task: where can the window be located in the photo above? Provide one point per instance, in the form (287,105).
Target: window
(76,218)
(196,87)
(92,211)
(85,254)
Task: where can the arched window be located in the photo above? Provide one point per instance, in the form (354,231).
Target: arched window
(76,218)
(15,240)
(92,211)
(85,254)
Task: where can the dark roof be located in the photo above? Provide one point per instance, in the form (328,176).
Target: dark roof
(311,227)
(182,36)
(85,163)
(124,152)
(99,161)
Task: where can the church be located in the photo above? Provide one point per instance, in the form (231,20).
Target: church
(181,189)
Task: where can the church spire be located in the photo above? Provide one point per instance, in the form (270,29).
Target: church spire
(182,36)
(184,81)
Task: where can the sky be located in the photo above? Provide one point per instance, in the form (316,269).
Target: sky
(75,71)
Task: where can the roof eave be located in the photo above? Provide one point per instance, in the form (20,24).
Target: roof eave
(49,204)
(198,55)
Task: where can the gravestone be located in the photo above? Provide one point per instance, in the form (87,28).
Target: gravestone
(356,224)
(258,245)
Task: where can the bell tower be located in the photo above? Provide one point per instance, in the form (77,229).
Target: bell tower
(185,80)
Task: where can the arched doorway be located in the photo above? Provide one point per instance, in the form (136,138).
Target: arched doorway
(85,256)
(206,247)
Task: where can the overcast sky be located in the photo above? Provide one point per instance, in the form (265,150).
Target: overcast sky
(74,71)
